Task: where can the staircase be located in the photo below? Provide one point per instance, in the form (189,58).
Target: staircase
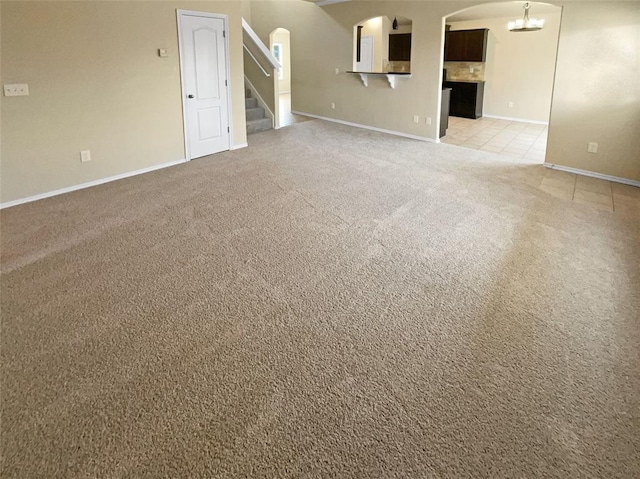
(256,121)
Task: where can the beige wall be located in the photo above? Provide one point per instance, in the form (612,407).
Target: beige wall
(96,82)
(589,103)
(597,89)
(283,37)
(519,67)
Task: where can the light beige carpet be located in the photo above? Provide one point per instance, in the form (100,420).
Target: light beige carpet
(329,302)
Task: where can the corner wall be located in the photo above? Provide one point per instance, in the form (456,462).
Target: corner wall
(96,82)
(596,96)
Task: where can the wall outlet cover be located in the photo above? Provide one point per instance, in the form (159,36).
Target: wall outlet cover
(16,89)
(592,147)
(85,155)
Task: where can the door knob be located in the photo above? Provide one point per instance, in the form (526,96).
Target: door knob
(189,96)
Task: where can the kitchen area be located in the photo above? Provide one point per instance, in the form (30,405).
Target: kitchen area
(465,54)
(498,80)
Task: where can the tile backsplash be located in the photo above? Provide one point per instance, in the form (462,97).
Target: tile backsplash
(398,66)
(461,71)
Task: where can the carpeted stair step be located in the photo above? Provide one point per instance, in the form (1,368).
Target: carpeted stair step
(250,102)
(254,113)
(256,126)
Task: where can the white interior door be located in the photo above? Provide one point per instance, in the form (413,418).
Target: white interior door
(204,84)
(366,54)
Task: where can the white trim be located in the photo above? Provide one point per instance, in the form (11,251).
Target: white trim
(260,44)
(225,22)
(240,145)
(322,3)
(261,102)
(593,174)
(367,127)
(89,184)
(524,120)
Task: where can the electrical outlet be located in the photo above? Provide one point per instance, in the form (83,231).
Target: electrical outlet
(333,106)
(85,155)
(471,70)
(416,118)
(428,120)
(337,71)
(17,89)
(162,52)
(592,147)
(510,104)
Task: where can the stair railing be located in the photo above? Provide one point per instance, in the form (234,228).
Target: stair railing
(266,73)
(262,48)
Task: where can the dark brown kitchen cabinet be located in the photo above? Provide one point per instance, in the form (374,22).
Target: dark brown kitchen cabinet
(466,45)
(400,47)
(466,98)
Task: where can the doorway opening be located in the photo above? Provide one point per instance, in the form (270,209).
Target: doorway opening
(497,97)
(280,44)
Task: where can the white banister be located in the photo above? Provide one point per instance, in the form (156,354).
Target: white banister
(261,46)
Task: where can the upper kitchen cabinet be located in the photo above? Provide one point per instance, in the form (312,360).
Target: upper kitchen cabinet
(466,45)
(400,47)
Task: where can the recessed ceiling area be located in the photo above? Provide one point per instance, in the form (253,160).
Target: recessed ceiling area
(501,9)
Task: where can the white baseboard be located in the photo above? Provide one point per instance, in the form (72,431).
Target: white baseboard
(523,120)
(239,145)
(89,184)
(367,127)
(593,174)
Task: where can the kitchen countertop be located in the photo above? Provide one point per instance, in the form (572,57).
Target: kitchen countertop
(466,81)
(381,73)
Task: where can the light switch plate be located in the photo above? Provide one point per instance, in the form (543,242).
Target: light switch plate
(16,89)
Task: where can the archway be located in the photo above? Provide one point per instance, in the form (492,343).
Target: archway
(514,80)
(280,44)
(382,44)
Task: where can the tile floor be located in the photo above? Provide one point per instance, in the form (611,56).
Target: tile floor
(517,139)
(599,194)
(527,143)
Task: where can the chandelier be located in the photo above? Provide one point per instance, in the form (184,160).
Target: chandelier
(526,24)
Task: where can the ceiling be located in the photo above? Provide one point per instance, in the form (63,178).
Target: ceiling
(502,9)
(489,10)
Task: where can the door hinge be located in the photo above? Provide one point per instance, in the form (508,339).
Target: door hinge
(225,83)
(228,130)
(224,34)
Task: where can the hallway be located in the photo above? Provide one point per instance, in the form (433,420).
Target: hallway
(286,117)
